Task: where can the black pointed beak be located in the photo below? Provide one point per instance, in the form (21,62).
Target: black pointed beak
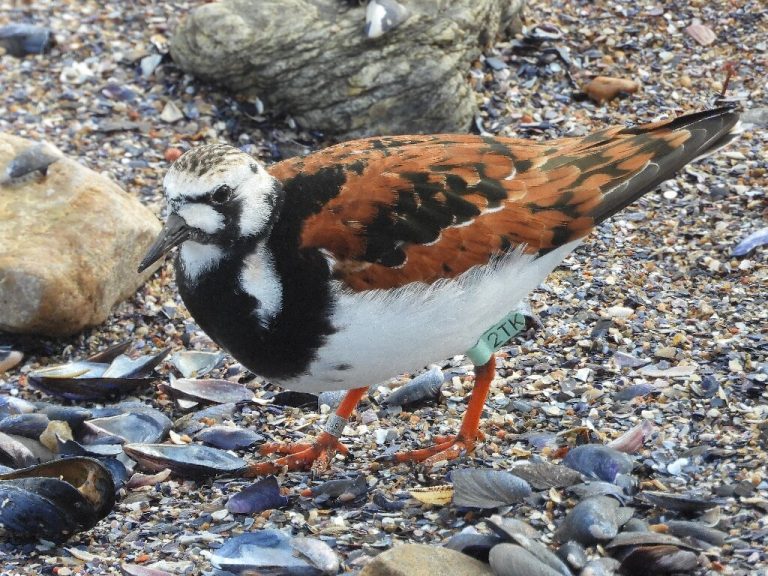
(173,233)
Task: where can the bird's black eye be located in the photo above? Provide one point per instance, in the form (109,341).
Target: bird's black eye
(222,194)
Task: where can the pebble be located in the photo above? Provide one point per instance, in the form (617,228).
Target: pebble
(171,113)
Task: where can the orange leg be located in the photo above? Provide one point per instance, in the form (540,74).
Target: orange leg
(464,442)
(300,456)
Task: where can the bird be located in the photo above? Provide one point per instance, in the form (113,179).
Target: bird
(371,258)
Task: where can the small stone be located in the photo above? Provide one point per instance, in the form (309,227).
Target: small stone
(605,88)
(172,154)
(666,56)
(171,113)
(9,359)
(423,560)
(668,352)
(701,33)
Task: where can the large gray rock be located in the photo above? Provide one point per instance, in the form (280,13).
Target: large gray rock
(311,59)
(70,242)
(423,560)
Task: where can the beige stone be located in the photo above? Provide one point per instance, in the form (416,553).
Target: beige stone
(70,242)
(423,560)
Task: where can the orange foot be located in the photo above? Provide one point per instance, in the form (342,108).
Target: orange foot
(445,448)
(300,456)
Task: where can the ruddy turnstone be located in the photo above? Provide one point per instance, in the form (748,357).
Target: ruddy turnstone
(370,258)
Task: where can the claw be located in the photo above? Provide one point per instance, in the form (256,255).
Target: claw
(449,448)
(299,456)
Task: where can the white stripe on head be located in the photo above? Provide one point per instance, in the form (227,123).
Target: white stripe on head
(201,216)
(258,195)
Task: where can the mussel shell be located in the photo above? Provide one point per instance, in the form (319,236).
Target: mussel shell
(187,460)
(545,475)
(658,560)
(128,427)
(210,390)
(599,488)
(22,39)
(508,528)
(91,389)
(27,425)
(107,355)
(424,387)
(473,544)
(697,531)
(194,363)
(56,499)
(487,488)
(514,560)
(19,452)
(687,503)
(645,539)
(596,519)
(72,415)
(12,405)
(97,380)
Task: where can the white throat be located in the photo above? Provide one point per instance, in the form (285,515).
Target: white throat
(197,258)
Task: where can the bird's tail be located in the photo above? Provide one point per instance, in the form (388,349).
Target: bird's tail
(669,145)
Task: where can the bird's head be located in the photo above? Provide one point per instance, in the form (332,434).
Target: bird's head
(217,196)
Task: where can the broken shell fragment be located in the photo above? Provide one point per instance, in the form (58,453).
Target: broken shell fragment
(209,390)
(185,460)
(262,552)
(599,462)
(55,500)
(228,437)
(193,363)
(35,159)
(381,16)
(196,421)
(573,554)
(257,497)
(318,553)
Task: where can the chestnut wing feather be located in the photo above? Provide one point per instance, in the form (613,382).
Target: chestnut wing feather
(402,209)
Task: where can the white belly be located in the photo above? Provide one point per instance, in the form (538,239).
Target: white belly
(381,334)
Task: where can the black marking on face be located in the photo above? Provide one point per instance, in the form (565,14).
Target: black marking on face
(343,367)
